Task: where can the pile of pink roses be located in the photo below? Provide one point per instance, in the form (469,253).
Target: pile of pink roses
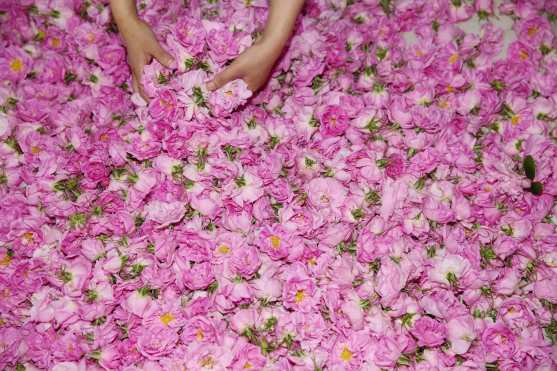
(378,205)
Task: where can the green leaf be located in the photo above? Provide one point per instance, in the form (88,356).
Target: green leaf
(13,144)
(404,361)
(91,295)
(536,188)
(198,97)
(270,323)
(212,287)
(69,77)
(487,253)
(77,220)
(231,151)
(529,166)
(452,278)
(65,276)
(386,6)
(317,83)
(551,331)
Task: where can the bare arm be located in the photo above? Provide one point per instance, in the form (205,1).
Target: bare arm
(141,43)
(256,63)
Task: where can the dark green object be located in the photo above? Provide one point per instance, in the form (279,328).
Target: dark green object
(536,188)
(529,167)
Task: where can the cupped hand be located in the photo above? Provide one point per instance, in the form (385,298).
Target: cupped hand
(142,46)
(253,66)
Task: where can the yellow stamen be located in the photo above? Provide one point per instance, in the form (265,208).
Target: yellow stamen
(35,150)
(523,54)
(6,260)
(450,89)
(167,318)
(16,65)
(515,119)
(55,42)
(346,354)
(532,31)
(248,365)
(199,335)
(312,261)
(27,237)
(275,242)
(299,296)
(208,362)
(453,58)
(443,104)
(223,249)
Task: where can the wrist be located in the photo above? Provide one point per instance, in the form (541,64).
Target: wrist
(128,27)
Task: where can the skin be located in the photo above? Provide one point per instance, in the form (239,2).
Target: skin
(253,66)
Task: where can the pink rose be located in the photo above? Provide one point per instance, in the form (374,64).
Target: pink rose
(245,261)
(429,332)
(249,357)
(226,99)
(461,333)
(157,341)
(199,276)
(163,106)
(298,294)
(334,121)
(165,213)
(275,241)
(395,166)
(191,34)
(326,193)
(200,329)
(96,171)
(177,145)
(499,342)
(222,45)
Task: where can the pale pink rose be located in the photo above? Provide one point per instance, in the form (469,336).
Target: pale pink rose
(449,269)
(157,341)
(245,261)
(429,332)
(199,276)
(249,357)
(499,342)
(165,213)
(224,100)
(334,121)
(164,106)
(326,193)
(298,294)
(202,330)
(461,334)
(243,319)
(137,303)
(546,289)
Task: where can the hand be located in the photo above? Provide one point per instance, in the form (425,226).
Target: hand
(253,66)
(142,46)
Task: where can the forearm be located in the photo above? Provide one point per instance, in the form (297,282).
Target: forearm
(124,12)
(280,21)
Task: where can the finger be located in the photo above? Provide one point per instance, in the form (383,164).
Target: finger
(138,88)
(163,57)
(222,78)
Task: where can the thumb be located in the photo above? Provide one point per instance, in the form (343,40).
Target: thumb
(223,77)
(163,57)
